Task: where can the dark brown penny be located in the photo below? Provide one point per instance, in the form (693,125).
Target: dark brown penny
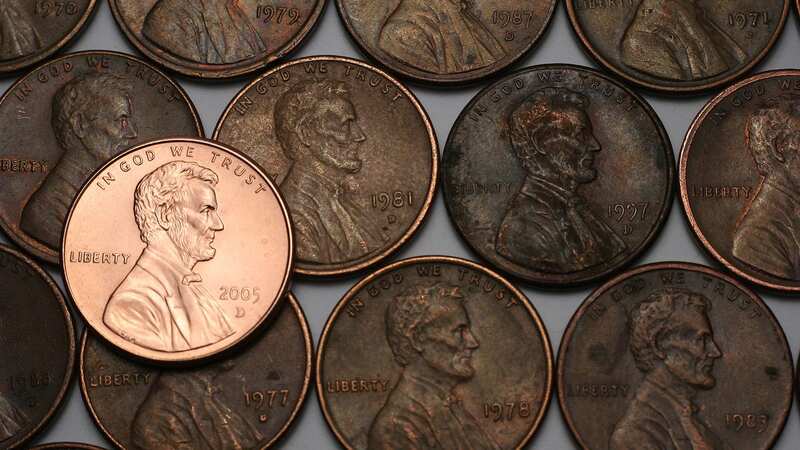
(558,174)
(353,151)
(247,400)
(216,38)
(678,46)
(32,30)
(739,179)
(434,352)
(64,120)
(446,41)
(674,355)
(37,348)
(66,446)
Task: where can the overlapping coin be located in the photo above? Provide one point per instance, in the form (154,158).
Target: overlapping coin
(64,120)
(434,352)
(66,446)
(177,250)
(353,151)
(658,357)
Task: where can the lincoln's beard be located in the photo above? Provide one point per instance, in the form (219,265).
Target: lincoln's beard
(190,241)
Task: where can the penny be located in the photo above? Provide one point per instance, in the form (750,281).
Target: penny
(247,400)
(66,446)
(664,355)
(216,38)
(434,352)
(678,46)
(34,30)
(445,41)
(739,183)
(177,249)
(353,151)
(558,174)
(64,120)
(37,348)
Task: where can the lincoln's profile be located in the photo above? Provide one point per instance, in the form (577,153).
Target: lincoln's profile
(677,40)
(429,332)
(439,36)
(203,31)
(162,304)
(672,343)
(18,37)
(317,127)
(548,226)
(92,121)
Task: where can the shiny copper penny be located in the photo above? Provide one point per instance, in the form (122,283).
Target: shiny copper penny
(64,120)
(66,446)
(739,179)
(434,353)
(446,41)
(246,401)
(33,30)
(657,359)
(37,348)
(177,250)
(678,46)
(216,38)
(353,151)
(558,174)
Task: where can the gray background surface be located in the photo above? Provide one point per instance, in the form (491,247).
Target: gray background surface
(438,236)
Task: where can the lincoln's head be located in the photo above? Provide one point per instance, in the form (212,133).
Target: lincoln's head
(176,206)
(772,136)
(552,137)
(316,124)
(671,332)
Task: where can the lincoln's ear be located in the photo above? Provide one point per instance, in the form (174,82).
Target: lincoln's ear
(304,133)
(78,124)
(778,150)
(417,340)
(657,350)
(163,218)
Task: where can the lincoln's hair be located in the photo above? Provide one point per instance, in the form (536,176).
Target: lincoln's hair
(770,130)
(160,190)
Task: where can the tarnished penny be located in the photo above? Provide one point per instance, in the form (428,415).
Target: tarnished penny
(446,41)
(739,179)
(216,38)
(66,446)
(64,120)
(37,348)
(177,250)
(32,30)
(245,401)
(674,356)
(678,46)
(352,150)
(558,174)
(434,353)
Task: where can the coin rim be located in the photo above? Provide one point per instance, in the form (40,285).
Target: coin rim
(301,266)
(569,331)
(66,445)
(450,260)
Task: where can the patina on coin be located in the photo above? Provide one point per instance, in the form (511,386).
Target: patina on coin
(740,179)
(434,353)
(177,249)
(216,38)
(446,41)
(678,46)
(245,401)
(66,446)
(64,120)
(353,151)
(32,30)
(558,174)
(37,348)
(674,356)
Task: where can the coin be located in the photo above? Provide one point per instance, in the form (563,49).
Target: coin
(66,446)
(247,400)
(177,250)
(446,42)
(662,357)
(466,361)
(738,179)
(37,347)
(353,151)
(34,30)
(216,38)
(65,119)
(558,174)
(678,46)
